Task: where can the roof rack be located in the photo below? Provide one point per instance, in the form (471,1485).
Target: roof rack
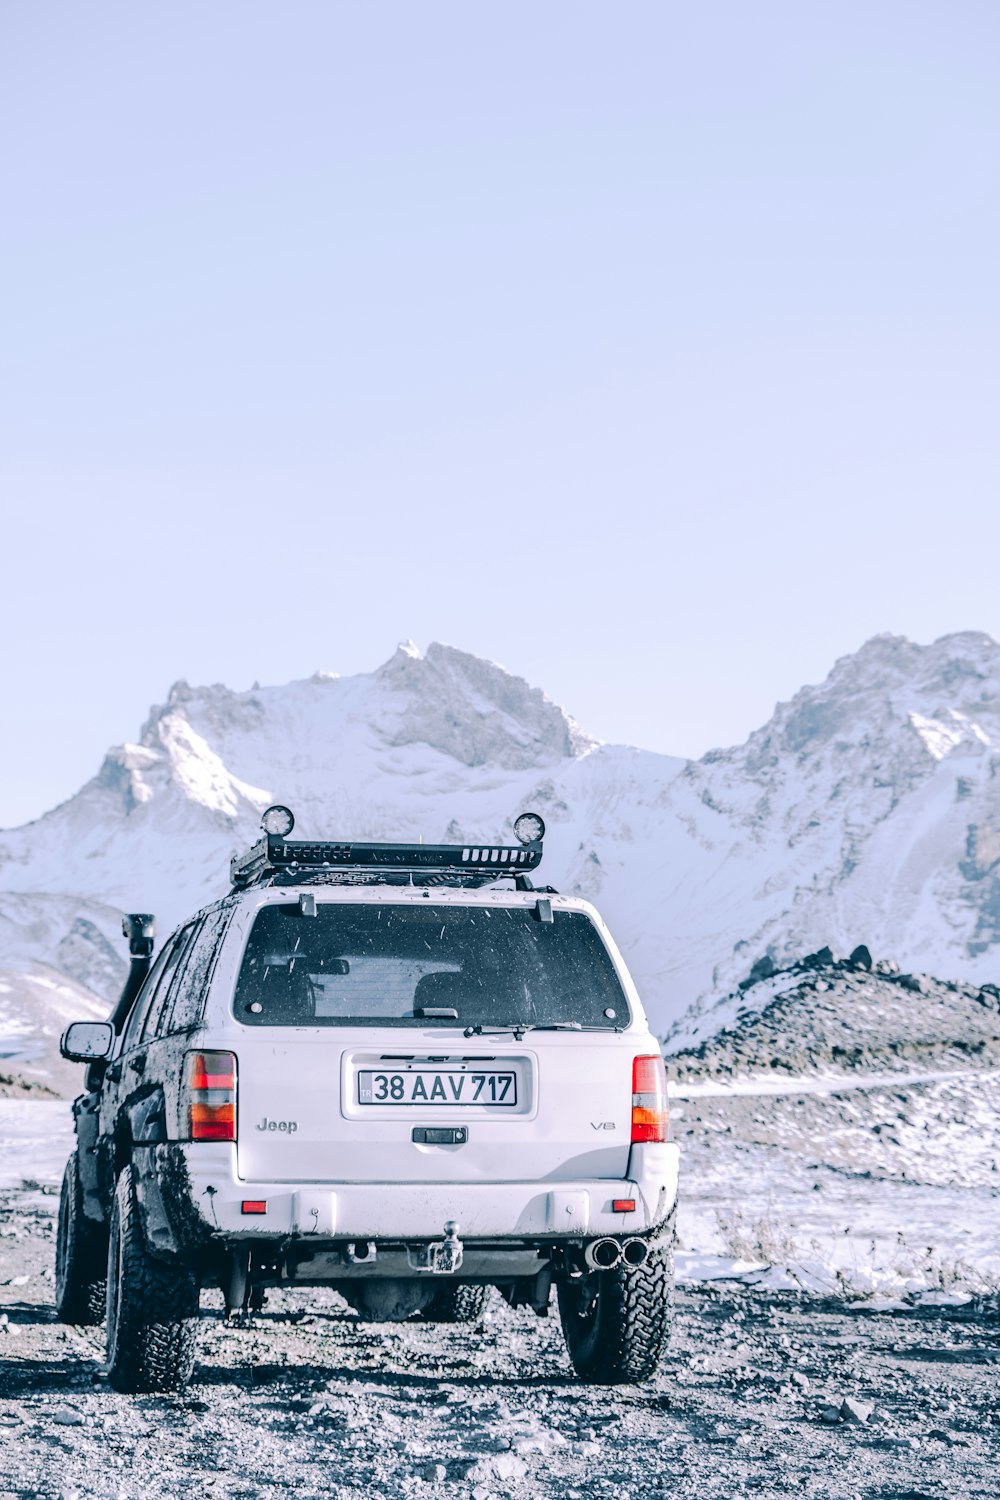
(277,860)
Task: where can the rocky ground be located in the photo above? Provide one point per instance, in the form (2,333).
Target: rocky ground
(844,1014)
(837,1331)
(764,1393)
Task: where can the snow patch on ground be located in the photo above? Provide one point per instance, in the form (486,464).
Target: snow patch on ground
(865,1189)
(36,1137)
(802,1196)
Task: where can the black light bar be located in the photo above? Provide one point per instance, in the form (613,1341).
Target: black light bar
(274,853)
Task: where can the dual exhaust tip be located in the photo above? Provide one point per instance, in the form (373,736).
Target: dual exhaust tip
(600,1255)
(606,1254)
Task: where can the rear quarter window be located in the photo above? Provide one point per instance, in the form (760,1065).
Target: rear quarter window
(153,1021)
(186,1001)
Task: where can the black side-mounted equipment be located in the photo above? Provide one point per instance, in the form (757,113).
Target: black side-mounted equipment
(276,859)
(140,929)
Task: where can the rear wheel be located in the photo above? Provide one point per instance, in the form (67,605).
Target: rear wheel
(152,1306)
(81,1256)
(617,1323)
(457,1302)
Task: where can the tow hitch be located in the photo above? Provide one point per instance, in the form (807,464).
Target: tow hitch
(441,1257)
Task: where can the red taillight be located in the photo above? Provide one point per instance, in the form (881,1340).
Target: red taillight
(649,1099)
(210,1081)
(254,1205)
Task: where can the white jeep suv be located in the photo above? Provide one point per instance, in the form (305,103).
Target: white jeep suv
(397,1070)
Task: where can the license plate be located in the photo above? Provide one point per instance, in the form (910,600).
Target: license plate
(436,1087)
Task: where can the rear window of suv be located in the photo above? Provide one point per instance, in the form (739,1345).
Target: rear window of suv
(367,965)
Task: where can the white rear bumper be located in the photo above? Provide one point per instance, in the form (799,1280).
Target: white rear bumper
(419,1211)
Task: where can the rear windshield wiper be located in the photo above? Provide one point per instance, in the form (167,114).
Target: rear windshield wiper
(520,1027)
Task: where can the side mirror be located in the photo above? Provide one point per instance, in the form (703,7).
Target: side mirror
(87,1041)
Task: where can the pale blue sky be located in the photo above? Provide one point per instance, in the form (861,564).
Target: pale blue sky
(649,349)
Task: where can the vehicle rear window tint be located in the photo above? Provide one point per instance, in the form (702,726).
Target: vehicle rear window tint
(415,965)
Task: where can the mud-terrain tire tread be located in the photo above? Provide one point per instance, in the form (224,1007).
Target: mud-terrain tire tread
(459,1302)
(624,1339)
(152,1307)
(81,1268)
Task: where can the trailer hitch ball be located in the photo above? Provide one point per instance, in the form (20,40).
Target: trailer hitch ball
(440,1257)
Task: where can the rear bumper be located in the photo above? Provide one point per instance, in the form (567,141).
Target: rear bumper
(517,1211)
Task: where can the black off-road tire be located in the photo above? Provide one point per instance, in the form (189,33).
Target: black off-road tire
(152,1306)
(617,1323)
(457,1302)
(81,1256)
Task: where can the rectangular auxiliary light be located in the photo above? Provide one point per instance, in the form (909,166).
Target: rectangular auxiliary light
(254,1205)
(623,1205)
(274,853)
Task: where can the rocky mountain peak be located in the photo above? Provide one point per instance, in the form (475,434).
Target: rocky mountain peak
(866,810)
(892,704)
(476,711)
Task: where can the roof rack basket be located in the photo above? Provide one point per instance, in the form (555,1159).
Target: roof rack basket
(278,860)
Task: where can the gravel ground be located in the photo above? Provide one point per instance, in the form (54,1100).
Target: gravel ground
(763,1393)
(885,1187)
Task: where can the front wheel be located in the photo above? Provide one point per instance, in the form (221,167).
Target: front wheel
(81,1256)
(617,1323)
(457,1302)
(152,1306)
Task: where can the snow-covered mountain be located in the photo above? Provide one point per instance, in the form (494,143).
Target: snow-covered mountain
(866,810)
(36,1006)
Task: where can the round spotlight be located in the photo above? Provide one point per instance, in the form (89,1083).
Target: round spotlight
(529,828)
(278,822)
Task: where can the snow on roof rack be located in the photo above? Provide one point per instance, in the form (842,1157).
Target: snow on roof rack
(275,859)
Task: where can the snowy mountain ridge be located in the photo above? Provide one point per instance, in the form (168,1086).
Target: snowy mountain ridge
(867,809)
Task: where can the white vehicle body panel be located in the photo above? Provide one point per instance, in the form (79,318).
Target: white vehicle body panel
(404,1211)
(300,1120)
